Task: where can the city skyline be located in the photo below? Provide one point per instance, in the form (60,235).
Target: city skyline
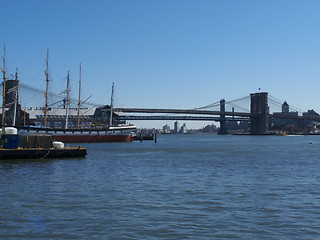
(168,54)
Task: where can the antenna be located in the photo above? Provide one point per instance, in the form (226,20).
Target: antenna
(16,75)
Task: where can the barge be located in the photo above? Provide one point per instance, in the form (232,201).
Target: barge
(33,153)
(14,146)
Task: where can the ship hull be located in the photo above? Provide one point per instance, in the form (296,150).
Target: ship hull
(33,153)
(83,138)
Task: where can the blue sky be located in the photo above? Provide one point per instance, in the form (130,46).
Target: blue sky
(169,53)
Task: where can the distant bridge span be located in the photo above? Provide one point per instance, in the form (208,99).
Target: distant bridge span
(185,118)
(203,118)
(240,115)
(184,111)
(259,116)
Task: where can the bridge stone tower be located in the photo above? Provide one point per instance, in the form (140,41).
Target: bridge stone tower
(223,125)
(259,109)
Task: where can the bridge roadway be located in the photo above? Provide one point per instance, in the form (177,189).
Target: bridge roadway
(232,115)
(176,118)
(310,118)
(181,111)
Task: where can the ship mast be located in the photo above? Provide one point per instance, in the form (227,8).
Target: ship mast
(3,69)
(46,72)
(111,105)
(67,99)
(79,99)
(15,90)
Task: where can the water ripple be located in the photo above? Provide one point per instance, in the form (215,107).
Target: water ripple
(183,187)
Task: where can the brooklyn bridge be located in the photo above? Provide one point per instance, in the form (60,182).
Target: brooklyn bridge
(258,117)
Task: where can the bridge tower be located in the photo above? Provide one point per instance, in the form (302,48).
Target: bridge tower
(259,109)
(223,124)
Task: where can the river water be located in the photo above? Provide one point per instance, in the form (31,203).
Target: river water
(183,187)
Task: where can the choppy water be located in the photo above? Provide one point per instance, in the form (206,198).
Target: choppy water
(183,187)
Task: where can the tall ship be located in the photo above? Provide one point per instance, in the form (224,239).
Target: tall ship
(66,123)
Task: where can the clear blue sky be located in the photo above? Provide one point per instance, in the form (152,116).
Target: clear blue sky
(169,53)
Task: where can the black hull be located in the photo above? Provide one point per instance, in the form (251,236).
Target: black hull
(6,154)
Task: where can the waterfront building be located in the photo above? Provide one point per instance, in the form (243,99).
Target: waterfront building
(238,126)
(89,117)
(282,122)
(308,124)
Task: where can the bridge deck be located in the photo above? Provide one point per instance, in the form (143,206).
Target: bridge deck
(240,115)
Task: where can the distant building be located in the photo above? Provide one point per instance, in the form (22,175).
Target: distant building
(281,122)
(238,126)
(211,128)
(184,129)
(176,127)
(285,107)
(310,125)
(166,129)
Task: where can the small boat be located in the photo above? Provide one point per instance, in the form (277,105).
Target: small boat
(14,146)
(281,134)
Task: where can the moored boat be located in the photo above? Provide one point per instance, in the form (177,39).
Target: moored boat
(75,138)
(36,153)
(31,146)
(82,124)
(113,134)
(109,134)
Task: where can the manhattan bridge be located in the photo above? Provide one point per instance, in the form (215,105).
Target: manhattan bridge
(260,110)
